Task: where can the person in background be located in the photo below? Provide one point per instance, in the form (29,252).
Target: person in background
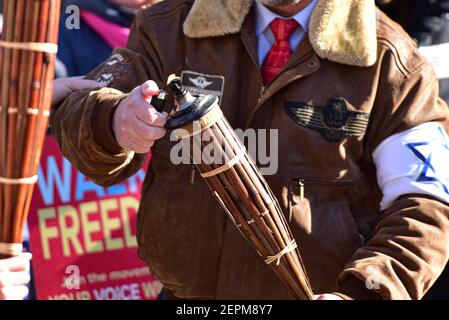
(15,271)
(104,25)
(15,277)
(64,87)
(427,21)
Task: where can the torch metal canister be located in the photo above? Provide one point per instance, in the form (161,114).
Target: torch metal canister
(237,184)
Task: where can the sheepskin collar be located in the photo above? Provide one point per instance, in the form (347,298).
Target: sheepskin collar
(343,31)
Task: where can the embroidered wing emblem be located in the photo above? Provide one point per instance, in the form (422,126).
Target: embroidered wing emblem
(200,82)
(334,121)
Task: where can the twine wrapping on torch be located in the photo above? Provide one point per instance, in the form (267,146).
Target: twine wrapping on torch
(10,249)
(30,180)
(30,46)
(226,166)
(30,111)
(289,248)
(12,110)
(35,112)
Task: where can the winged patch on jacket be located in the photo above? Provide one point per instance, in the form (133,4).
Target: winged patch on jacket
(200,82)
(334,121)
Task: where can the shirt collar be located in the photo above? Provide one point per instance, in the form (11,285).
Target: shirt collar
(264,16)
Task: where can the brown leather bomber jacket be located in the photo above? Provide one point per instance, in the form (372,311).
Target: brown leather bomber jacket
(355,62)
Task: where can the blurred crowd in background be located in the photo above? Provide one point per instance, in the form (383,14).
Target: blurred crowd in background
(80,50)
(427,22)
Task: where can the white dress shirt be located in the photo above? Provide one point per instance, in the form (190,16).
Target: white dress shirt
(265,37)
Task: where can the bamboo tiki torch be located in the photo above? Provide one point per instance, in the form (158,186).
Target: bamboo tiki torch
(237,184)
(28,51)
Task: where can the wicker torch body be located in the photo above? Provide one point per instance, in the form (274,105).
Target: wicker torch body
(238,185)
(28,51)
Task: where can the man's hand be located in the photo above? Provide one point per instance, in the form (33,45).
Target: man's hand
(14,277)
(137,124)
(63,87)
(328,296)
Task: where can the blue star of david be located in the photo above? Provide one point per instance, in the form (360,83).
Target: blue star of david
(436,145)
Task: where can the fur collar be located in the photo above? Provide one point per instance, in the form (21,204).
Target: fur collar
(343,31)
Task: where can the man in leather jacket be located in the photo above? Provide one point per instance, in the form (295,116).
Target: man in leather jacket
(366,196)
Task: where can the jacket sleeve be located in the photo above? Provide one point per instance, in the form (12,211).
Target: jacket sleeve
(82,124)
(409,247)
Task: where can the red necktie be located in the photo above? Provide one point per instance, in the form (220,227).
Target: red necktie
(281,51)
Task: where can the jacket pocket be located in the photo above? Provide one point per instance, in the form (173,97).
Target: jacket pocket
(331,188)
(332,194)
(323,225)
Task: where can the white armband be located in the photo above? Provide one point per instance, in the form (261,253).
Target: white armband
(414,161)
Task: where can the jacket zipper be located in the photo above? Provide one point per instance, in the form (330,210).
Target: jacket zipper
(339,182)
(192,174)
(260,78)
(301,184)
(264,89)
(303,181)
